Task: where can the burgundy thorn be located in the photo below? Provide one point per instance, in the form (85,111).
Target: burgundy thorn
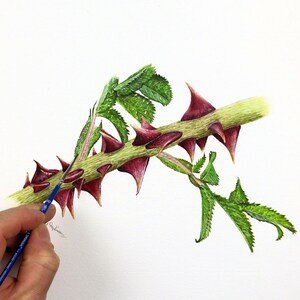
(189,146)
(146,125)
(104,169)
(231,137)
(78,185)
(137,168)
(198,107)
(231,140)
(70,202)
(41,173)
(64,164)
(27,181)
(109,143)
(62,199)
(217,129)
(37,187)
(201,143)
(94,152)
(93,188)
(72,176)
(144,136)
(164,140)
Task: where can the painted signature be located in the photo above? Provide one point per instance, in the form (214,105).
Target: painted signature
(55,228)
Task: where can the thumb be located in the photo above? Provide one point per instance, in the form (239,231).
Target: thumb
(39,265)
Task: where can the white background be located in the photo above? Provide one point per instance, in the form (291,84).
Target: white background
(56,56)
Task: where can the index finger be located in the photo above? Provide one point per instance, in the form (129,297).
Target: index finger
(14,241)
(22,218)
(18,219)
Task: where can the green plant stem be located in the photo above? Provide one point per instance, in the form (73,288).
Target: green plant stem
(182,166)
(229,116)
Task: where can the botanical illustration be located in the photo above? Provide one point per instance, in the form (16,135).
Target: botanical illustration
(138,95)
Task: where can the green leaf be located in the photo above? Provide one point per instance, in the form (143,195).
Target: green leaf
(108,97)
(138,106)
(83,135)
(208,204)
(172,165)
(117,120)
(199,164)
(279,232)
(135,81)
(267,214)
(186,163)
(158,89)
(209,175)
(94,138)
(238,195)
(239,219)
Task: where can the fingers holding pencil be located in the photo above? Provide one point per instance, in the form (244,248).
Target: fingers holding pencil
(39,262)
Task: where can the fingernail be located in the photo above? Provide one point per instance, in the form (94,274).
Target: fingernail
(37,212)
(52,207)
(36,206)
(43,233)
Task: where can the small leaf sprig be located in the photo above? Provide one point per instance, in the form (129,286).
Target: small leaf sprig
(237,205)
(135,94)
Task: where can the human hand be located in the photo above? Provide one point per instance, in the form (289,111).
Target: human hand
(39,262)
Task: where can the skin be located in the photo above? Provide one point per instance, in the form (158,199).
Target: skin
(39,262)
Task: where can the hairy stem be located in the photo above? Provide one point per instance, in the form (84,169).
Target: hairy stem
(229,116)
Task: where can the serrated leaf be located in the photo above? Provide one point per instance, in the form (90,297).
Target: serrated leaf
(208,204)
(279,232)
(186,163)
(199,164)
(83,135)
(135,81)
(209,175)
(172,165)
(108,97)
(138,106)
(158,89)
(269,215)
(117,120)
(94,138)
(238,217)
(238,195)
